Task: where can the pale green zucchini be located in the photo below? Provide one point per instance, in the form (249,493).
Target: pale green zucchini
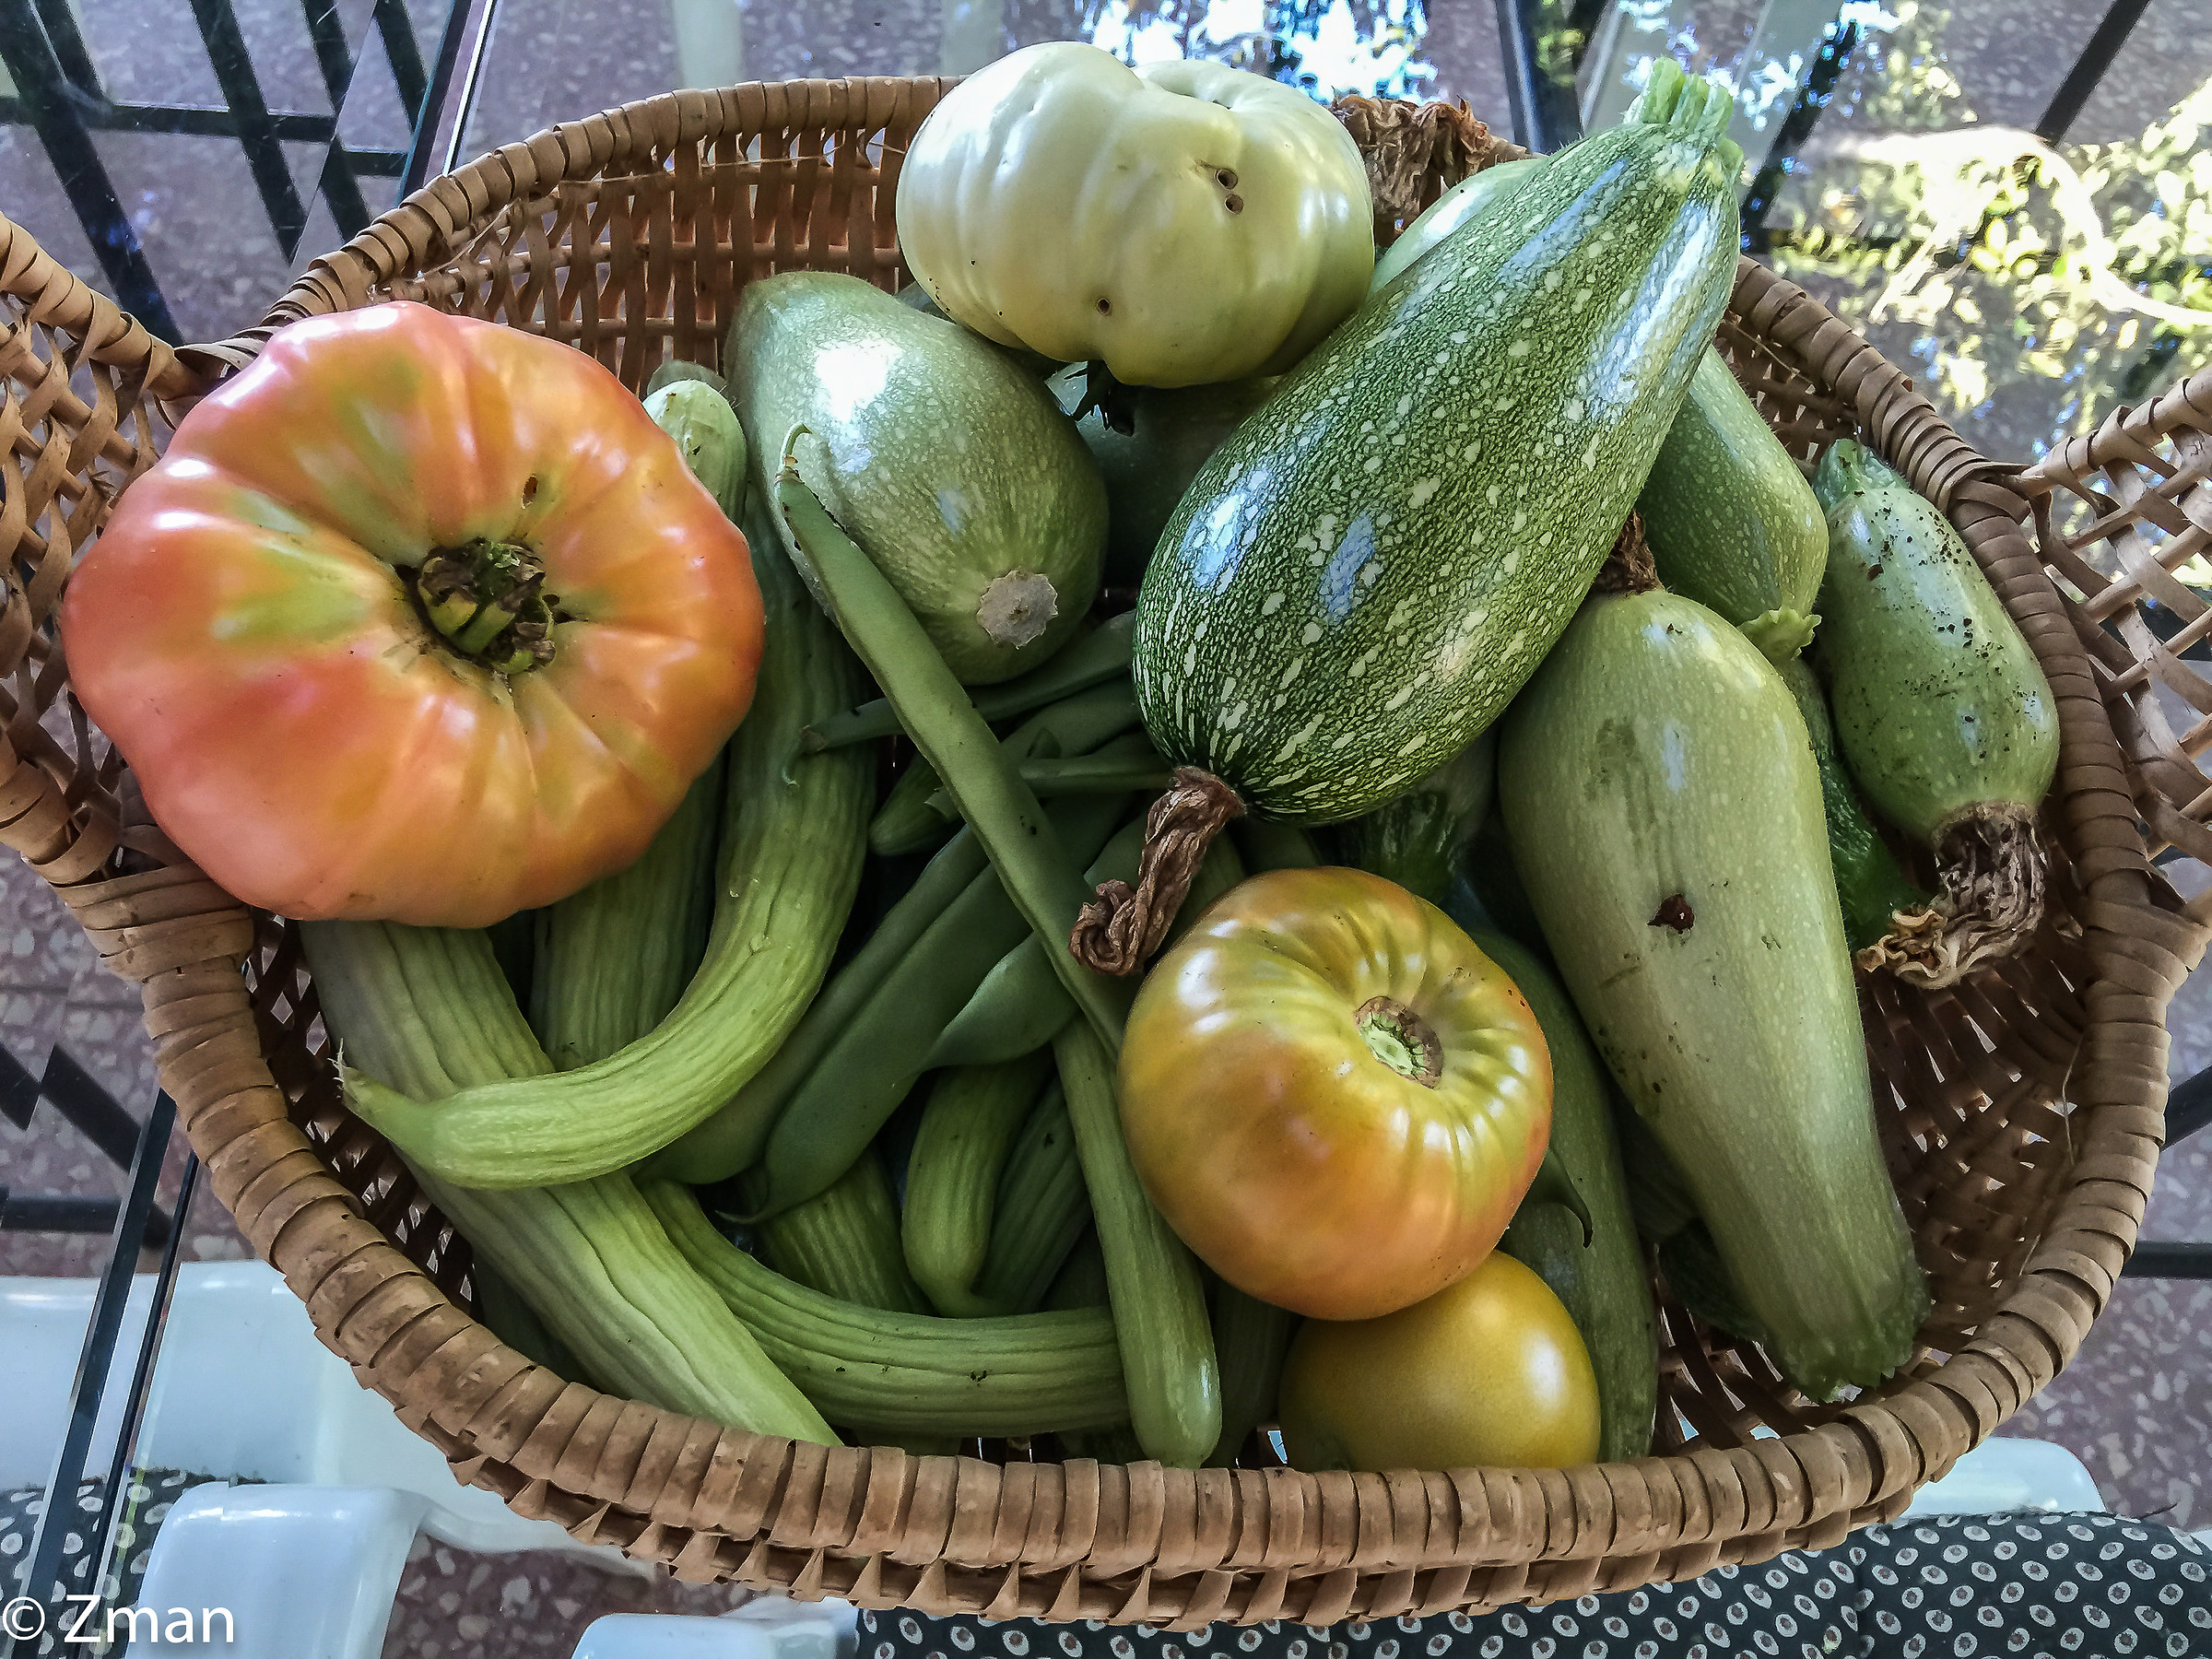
(1731,520)
(844,1242)
(1664,813)
(1040,1210)
(908,1373)
(969,1126)
(1159,1301)
(697,414)
(955,470)
(1941,710)
(426,1009)
(1599,1274)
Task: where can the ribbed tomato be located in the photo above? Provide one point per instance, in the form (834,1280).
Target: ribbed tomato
(419,619)
(1332,1095)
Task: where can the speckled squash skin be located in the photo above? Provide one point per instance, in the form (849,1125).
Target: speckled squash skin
(1940,706)
(1370,566)
(1664,813)
(940,455)
(1731,520)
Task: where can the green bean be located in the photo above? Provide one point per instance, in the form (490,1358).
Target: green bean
(1159,1301)
(844,1242)
(1042,878)
(1096,658)
(1021,1003)
(732,1140)
(1078,774)
(1039,1212)
(974,1115)
(1272,846)
(910,817)
(874,1061)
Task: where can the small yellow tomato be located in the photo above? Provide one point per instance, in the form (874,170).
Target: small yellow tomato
(1491,1370)
(1332,1095)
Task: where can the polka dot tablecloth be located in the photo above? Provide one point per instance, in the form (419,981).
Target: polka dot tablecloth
(1949,1587)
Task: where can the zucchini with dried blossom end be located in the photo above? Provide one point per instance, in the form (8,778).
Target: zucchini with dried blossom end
(1942,713)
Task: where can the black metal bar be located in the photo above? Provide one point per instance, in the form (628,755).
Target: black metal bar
(94,1113)
(2073,93)
(142,1373)
(194,120)
(19,1089)
(2159,1259)
(2188,1107)
(451,41)
(50,104)
(68,1213)
(226,46)
(404,52)
(69,49)
(334,53)
(1796,128)
(1542,103)
(62,1515)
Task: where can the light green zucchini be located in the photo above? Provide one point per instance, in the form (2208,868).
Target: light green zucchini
(612,959)
(1599,1274)
(1252,1339)
(1731,520)
(791,842)
(1159,1300)
(1941,710)
(677,369)
(1664,813)
(1040,1210)
(1366,571)
(952,468)
(909,1373)
(969,1126)
(426,1009)
(1879,900)
(698,416)
(844,1242)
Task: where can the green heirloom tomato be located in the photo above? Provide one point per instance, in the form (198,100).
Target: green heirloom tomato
(1183,223)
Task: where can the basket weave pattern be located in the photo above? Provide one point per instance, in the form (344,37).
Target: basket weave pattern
(2021,1112)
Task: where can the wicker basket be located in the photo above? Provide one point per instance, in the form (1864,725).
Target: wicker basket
(2021,1113)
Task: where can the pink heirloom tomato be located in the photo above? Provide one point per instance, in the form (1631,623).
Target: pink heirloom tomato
(1332,1095)
(420,618)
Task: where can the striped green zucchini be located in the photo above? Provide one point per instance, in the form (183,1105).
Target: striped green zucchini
(969,1126)
(1367,571)
(1039,1212)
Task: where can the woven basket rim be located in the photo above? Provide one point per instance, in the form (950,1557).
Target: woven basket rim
(718,1502)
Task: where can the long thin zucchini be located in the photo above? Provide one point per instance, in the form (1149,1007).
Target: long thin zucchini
(791,845)
(611,960)
(1598,1270)
(906,1372)
(1877,897)
(426,1009)
(1098,657)
(1252,1337)
(732,1138)
(1038,873)
(1039,1212)
(1159,1300)
(1081,1281)
(969,1127)
(844,1242)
